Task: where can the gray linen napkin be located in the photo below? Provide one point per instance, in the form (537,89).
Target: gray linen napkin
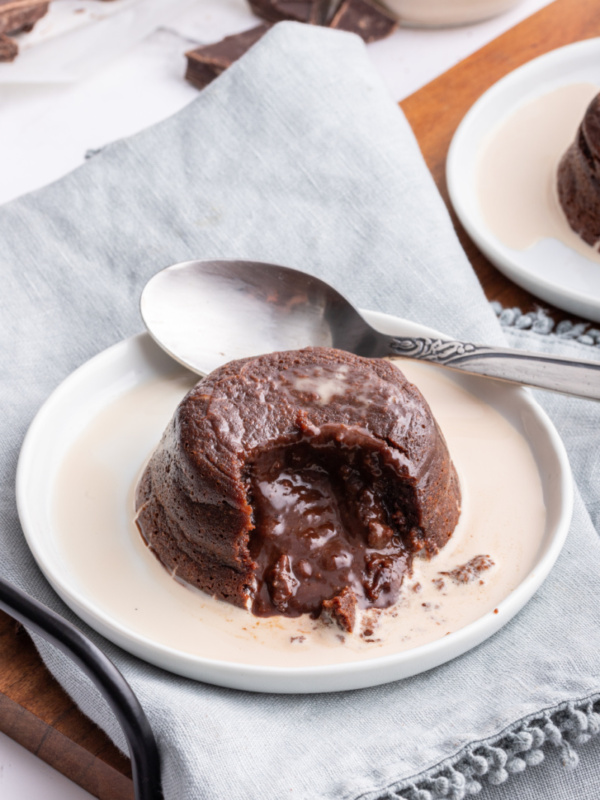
(296,155)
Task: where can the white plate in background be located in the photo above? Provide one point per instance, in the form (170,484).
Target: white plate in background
(549,269)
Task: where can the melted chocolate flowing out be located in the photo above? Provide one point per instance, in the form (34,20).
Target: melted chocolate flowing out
(299,482)
(329,516)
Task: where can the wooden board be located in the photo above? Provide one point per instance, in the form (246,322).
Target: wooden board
(34,710)
(37,713)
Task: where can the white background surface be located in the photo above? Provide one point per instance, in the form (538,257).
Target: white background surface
(46,130)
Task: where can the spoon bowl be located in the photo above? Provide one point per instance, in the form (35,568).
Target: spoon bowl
(206,313)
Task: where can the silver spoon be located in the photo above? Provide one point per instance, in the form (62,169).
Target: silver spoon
(205,313)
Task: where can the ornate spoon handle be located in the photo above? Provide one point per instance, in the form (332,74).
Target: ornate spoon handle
(566,375)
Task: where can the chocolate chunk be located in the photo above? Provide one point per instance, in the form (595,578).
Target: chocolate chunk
(367,19)
(8,48)
(208,62)
(17,16)
(310,11)
(341,609)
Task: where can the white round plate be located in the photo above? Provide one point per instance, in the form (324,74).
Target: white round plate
(550,269)
(77,402)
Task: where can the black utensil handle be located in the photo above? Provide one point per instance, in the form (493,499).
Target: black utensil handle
(143,752)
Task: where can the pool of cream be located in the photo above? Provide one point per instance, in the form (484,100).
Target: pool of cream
(503,517)
(517,166)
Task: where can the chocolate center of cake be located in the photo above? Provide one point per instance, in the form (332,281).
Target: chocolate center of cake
(329,517)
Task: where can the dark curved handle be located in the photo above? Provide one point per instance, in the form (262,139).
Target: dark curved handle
(99,668)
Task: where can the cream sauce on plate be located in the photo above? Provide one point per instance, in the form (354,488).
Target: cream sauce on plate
(517,165)
(503,516)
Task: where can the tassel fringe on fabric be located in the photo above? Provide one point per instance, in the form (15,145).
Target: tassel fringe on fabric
(564,728)
(494,761)
(539,322)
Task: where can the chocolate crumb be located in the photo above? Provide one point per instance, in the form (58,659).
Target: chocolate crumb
(297,639)
(468,572)
(341,609)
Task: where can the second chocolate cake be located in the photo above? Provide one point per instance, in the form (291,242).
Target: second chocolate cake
(299,482)
(579,177)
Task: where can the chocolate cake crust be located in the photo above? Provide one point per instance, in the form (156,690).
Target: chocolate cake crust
(579,177)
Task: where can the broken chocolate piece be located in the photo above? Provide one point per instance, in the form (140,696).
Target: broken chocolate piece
(369,20)
(8,48)
(208,62)
(17,16)
(341,609)
(312,12)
